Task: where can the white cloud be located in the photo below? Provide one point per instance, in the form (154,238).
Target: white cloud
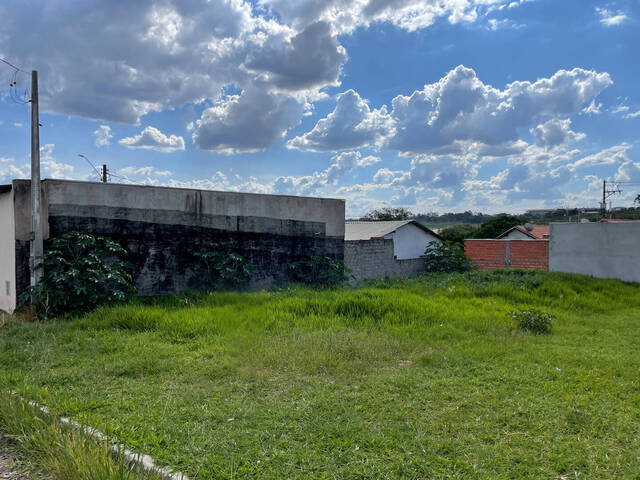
(249,122)
(132,170)
(220,181)
(611,18)
(628,172)
(9,170)
(555,132)
(608,156)
(620,109)
(341,164)
(147,56)
(311,58)
(153,139)
(593,108)
(18,124)
(411,15)
(385,175)
(351,124)
(50,168)
(438,171)
(633,115)
(102,136)
(458,114)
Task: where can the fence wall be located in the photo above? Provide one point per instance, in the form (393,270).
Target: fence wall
(498,254)
(604,250)
(374,259)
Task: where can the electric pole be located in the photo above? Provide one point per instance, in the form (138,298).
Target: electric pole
(603,205)
(104,173)
(37,249)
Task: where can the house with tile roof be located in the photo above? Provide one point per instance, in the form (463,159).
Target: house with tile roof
(527,231)
(386,249)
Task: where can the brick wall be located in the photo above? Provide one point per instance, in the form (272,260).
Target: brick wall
(374,259)
(529,254)
(496,254)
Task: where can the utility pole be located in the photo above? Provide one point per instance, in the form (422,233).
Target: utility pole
(603,205)
(37,249)
(104,173)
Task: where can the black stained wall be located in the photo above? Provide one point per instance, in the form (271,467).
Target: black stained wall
(162,253)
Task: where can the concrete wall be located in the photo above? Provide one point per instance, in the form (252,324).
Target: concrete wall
(410,241)
(375,259)
(7,253)
(161,228)
(604,250)
(498,254)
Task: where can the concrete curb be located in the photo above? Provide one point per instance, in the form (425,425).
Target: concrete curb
(146,462)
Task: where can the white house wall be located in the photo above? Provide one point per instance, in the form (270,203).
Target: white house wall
(7,253)
(516,235)
(410,241)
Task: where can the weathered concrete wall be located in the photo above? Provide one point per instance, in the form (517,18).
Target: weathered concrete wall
(7,253)
(375,259)
(493,254)
(604,250)
(161,228)
(410,242)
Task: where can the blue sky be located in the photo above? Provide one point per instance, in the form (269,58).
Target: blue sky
(433,105)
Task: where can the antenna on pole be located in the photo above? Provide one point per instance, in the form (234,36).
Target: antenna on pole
(37,249)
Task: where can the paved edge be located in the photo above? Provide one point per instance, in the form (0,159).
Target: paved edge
(146,462)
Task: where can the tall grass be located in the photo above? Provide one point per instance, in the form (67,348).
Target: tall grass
(61,451)
(416,378)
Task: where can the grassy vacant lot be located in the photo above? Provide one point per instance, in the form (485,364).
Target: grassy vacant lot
(424,378)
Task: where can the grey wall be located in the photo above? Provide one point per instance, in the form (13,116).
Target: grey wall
(605,250)
(374,259)
(7,253)
(161,228)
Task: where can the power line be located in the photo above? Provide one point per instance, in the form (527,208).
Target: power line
(92,165)
(13,66)
(15,95)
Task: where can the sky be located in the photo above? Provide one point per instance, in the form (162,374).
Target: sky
(431,105)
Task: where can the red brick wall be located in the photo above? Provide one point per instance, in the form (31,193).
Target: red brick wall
(525,254)
(486,254)
(530,254)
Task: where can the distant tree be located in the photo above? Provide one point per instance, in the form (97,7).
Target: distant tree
(458,233)
(637,200)
(461,217)
(387,214)
(496,226)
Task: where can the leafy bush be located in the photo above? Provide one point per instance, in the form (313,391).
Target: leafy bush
(222,270)
(458,233)
(534,321)
(319,270)
(446,257)
(80,273)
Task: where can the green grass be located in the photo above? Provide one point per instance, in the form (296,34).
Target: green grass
(421,378)
(59,451)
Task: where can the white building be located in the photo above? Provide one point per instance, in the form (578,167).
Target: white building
(386,249)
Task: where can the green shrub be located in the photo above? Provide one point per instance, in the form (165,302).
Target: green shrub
(458,233)
(319,270)
(534,321)
(221,270)
(446,257)
(80,273)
